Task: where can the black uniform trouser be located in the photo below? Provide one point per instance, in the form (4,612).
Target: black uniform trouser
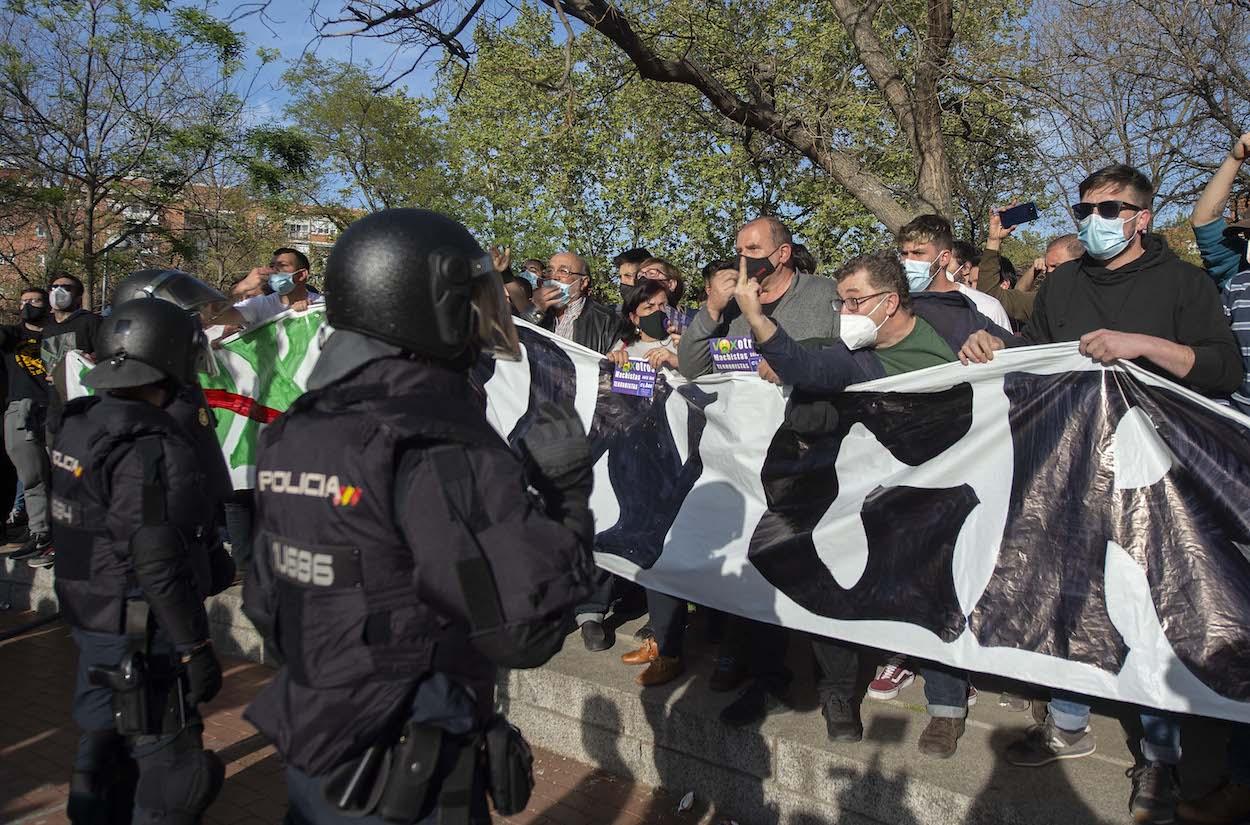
(240,512)
(106,762)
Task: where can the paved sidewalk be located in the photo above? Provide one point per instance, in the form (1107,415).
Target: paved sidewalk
(38,738)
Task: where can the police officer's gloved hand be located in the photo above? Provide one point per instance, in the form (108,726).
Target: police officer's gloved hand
(203,673)
(558,447)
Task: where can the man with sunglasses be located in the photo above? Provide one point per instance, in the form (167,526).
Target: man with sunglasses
(1129,297)
(562,304)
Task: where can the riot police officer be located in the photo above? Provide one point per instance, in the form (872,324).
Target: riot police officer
(132,573)
(188,406)
(403,551)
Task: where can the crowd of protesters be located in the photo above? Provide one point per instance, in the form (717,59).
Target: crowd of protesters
(1114,286)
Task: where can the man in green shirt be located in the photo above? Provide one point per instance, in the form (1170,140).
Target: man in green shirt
(885,330)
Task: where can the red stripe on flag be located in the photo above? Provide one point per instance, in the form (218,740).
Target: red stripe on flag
(240,404)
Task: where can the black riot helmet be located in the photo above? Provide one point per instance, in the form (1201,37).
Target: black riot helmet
(145,342)
(418,280)
(172,285)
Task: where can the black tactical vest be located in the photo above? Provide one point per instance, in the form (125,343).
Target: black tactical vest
(93,573)
(332,583)
(191,410)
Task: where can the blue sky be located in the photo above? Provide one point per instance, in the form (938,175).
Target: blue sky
(287,25)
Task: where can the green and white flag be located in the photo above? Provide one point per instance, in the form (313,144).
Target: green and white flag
(260,372)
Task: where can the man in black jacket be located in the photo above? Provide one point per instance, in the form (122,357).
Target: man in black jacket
(1129,297)
(71,328)
(24,420)
(565,307)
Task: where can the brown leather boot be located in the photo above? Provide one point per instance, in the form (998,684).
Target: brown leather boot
(941,736)
(661,671)
(644,655)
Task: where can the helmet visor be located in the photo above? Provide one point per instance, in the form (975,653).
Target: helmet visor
(184,290)
(495,331)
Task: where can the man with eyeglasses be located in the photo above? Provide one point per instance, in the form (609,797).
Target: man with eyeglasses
(1129,297)
(885,330)
(564,306)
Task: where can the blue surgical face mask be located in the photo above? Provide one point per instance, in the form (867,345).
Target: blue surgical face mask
(1103,237)
(919,274)
(532,277)
(566,291)
(282,283)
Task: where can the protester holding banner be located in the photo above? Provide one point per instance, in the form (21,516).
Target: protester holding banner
(651,343)
(284,285)
(1131,298)
(649,339)
(563,305)
(804,303)
(798,299)
(885,331)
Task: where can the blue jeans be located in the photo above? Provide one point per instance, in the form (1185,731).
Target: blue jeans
(1162,733)
(19,498)
(946,691)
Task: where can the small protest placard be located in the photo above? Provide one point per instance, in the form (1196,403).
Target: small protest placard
(634,377)
(734,354)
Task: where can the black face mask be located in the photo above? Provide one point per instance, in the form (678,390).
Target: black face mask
(758,268)
(654,325)
(34,314)
(627,291)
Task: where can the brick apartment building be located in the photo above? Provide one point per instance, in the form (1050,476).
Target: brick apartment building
(216,234)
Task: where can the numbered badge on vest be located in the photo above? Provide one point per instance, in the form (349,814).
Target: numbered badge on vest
(315,565)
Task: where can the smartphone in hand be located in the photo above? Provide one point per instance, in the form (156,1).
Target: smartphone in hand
(1017,215)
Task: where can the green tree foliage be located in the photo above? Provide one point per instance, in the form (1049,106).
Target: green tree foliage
(559,137)
(377,150)
(110,110)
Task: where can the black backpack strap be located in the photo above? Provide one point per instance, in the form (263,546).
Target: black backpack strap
(477,582)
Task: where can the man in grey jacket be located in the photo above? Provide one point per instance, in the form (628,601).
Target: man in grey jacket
(803,304)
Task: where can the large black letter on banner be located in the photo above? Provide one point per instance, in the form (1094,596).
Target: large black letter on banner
(648,477)
(911,531)
(1190,531)
(552,378)
(1187,529)
(1047,592)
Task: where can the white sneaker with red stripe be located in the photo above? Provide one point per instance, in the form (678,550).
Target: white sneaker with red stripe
(892,678)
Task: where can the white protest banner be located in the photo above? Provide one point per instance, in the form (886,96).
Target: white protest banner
(1040,517)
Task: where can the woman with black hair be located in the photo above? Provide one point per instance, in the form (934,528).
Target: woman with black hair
(644,316)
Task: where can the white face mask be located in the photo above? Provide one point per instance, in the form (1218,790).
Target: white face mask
(858,331)
(61,298)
